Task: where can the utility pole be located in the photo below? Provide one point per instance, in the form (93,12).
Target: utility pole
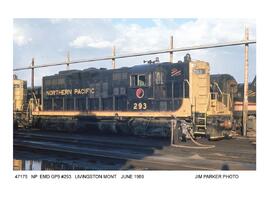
(245,101)
(113,59)
(68,60)
(171,47)
(33,75)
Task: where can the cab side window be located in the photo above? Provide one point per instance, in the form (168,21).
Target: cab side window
(133,80)
(159,78)
(137,80)
(141,80)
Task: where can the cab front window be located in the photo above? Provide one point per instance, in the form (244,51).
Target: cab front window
(199,71)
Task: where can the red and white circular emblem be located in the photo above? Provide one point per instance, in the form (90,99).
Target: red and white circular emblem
(139,93)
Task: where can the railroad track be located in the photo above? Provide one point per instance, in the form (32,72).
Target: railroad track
(128,152)
(137,160)
(140,154)
(105,143)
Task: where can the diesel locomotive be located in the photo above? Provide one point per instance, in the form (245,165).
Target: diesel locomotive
(139,100)
(227,84)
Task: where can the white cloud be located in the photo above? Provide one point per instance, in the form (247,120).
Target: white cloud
(19,37)
(56,20)
(53,38)
(135,38)
(88,41)
(59,20)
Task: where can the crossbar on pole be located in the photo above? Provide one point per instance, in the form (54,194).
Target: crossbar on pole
(207,46)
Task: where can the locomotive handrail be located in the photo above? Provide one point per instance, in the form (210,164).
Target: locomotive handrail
(184,89)
(218,88)
(228,101)
(223,95)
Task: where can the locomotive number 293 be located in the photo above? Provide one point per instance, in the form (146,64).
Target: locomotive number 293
(139,106)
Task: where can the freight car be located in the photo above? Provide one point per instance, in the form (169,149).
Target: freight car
(19,100)
(239,95)
(238,105)
(24,101)
(19,94)
(140,100)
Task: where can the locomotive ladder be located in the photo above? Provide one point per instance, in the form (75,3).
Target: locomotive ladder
(200,123)
(200,102)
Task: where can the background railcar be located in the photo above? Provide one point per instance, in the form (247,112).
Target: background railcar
(19,94)
(226,83)
(238,106)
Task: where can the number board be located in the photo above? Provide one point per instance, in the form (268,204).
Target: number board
(139,105)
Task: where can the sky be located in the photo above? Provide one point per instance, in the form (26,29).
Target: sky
(49,40)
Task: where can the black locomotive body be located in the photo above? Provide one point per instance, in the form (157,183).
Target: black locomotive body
(140,100)
(155,87)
